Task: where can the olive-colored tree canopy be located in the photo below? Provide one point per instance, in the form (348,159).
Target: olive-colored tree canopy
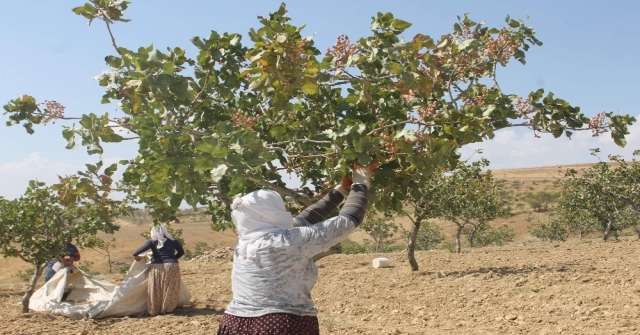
(248,107)
(39,224)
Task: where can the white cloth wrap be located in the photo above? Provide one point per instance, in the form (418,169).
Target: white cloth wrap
(160,233)
(256,215)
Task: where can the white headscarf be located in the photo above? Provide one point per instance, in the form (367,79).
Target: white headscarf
(160,233)
(257,214)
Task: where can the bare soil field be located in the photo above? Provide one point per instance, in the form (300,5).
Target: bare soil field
(570,288)
(526,287)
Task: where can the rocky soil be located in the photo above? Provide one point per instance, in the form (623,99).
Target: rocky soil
(568,288)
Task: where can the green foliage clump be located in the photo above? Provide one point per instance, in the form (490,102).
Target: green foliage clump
(494,236)
(201,248)
(350,247)
(553,231)
(541,201)
(429,236)
(123,268)
(381,229)
(86,267)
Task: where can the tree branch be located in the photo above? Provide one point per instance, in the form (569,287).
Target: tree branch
(303,199)
(113,39)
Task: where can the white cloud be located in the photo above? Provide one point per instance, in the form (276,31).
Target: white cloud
(519,148)
(16,175)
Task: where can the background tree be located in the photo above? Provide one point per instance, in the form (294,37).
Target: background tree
(470,198)
(104,247)
(38,225)
(576,221)
(551,231)
(380,227)
(594,191)
(541,201)
(485,235)
(428,237)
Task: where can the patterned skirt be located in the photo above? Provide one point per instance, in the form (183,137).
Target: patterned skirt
(163,288)
(270,324)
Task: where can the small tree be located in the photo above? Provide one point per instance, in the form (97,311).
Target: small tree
(575,221)
(553,230)
(487,235)
(39,224)
(104,247)
(470,198)
(428,237)
(380,228)
(541,201)
(601,191)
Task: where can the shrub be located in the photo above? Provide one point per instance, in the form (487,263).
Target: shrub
(555,230)
(367,246)
(123,268)
(429,236)
(86,267)
(494,236)
(201,248)
(350,247)
(448,245)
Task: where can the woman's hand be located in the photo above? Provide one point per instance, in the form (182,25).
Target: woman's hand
(344,186)
(137,258)
(362,175)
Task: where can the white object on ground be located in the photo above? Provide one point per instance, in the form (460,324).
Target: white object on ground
(381,263)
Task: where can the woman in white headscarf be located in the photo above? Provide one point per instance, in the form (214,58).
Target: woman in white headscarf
(164,272)
(273,268)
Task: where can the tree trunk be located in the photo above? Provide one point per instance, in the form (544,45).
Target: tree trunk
(580,235)
(472,236)
(109,260)
(607,231)
(637,230)
(31,288)
(411,247)
(458,233)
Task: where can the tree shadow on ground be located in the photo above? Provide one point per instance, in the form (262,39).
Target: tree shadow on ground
(193,311)
(504,270)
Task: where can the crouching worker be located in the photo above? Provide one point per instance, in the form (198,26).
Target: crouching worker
(163,285)
(273,268)
(66,258)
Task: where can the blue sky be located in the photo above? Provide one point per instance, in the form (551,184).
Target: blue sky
(589,57)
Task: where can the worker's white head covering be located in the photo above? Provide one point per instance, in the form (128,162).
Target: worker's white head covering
(257,214)
(160,233)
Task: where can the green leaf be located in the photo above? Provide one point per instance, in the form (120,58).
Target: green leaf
(204,163)
(168,68)
(111,169)
(401,25)
(309,86)
(394,67)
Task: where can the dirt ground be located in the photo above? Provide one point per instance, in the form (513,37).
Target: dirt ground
(570,288)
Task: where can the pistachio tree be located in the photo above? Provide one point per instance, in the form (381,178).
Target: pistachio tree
(39,224)
(606,192)
(246,109)
(470,198)
(593,191)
